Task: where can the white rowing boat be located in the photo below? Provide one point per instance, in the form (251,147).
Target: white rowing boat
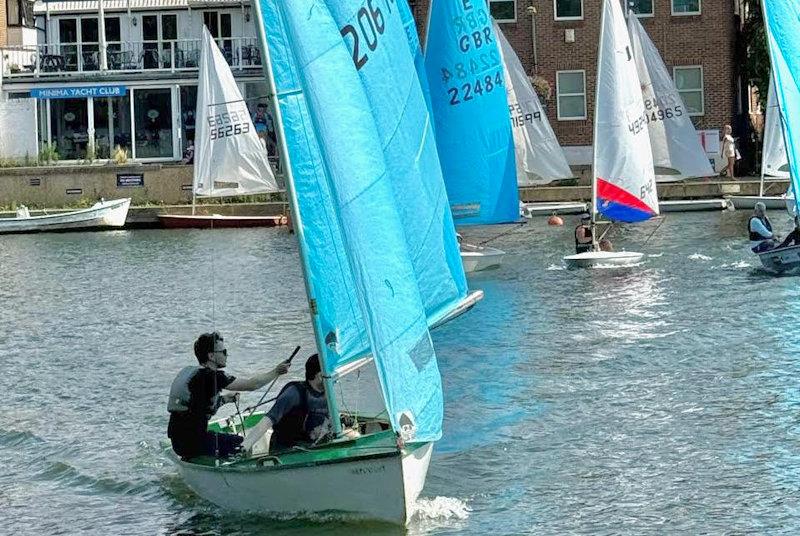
(101,215)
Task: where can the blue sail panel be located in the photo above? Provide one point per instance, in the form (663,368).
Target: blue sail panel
(468,98)
(328,271)
(783,26)
(376,34)
(416,48)
(366,211)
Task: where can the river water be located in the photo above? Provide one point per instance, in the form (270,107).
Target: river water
(658,399)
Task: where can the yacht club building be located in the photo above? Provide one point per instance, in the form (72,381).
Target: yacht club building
(85,88)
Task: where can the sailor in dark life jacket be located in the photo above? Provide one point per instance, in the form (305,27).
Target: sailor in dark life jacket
(793,239)
(195,397)
(759,229)
(298,417)
(583,234)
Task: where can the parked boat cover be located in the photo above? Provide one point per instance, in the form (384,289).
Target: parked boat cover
(677,153)
(360,265)
(229,158)
(539,157)
(774,162)
(470,109)
(783,27)
(623,162)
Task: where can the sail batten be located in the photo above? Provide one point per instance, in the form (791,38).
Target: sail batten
(624,177)
(230,159)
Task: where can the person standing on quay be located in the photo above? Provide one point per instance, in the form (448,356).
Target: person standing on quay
(728,150)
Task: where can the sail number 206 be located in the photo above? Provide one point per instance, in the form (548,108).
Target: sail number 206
(369,25)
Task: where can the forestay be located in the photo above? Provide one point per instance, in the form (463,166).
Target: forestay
(677,152)
(358,257)
(539,158)
(624,180)
(774,162)
(229,158)
(783,27)
(468,99)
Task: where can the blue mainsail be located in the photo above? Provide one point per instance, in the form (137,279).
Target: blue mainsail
(782,19)
(359,261)
(416,49)
(468,99)
(397,103)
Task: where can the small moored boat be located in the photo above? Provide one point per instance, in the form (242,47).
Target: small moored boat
(608,259)
(101,215)
(216,221)
(477,258)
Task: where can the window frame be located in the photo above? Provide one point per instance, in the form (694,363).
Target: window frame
(24,14)
(685,13)
(702,89)
(503,21)
(560,19)
(559,117)
(652,11)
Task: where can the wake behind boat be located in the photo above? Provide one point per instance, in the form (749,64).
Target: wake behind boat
(100,216)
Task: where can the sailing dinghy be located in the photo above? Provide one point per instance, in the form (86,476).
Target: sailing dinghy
(623,179)
(230,159)
(374,290)
(470,108)
(782,27)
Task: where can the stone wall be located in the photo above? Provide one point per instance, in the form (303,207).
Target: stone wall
(58,186)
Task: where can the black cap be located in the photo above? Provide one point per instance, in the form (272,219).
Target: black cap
(312,366)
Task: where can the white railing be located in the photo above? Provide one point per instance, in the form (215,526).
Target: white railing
(142,56)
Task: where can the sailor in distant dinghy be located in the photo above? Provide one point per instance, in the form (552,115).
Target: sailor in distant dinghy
(760,230)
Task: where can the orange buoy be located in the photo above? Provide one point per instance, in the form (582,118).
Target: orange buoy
(555,220)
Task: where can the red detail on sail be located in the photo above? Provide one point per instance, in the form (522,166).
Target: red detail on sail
(611,192)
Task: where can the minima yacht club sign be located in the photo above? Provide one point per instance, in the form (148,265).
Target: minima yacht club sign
(78,92)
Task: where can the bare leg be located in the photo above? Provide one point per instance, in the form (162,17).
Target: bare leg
(731,162)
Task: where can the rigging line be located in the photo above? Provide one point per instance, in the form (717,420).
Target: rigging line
(516,227)
(654,231)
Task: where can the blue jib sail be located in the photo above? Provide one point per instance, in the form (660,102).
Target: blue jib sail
(339,151)
(468,98)
(783,26)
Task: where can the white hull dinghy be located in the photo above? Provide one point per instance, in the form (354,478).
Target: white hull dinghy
(529,210)
(785,261)
(101,215)
(772,202)
(603,259)
(382,481)
(692,205)
(477,258)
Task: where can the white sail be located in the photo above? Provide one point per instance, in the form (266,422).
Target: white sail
(229,157)
(677,153)
(774,162)
(624,179)
(539,156)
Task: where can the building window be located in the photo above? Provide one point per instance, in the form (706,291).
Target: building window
(152,115)
(19,13)
(568,9)
(643,8)
(571,95)
(112,125)
(69,127)
(503,10)
(685,7)
(689,81)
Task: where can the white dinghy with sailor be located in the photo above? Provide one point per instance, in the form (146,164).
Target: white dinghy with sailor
(376,281)
(623,178)
(782,28)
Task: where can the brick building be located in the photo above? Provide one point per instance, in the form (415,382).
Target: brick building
(696,39)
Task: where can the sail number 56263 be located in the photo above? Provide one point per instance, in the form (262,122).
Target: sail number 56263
(371,24)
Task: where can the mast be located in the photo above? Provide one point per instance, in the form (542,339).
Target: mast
(594,130)
(330,395)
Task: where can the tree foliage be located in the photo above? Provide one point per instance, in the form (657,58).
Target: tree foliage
(757,65)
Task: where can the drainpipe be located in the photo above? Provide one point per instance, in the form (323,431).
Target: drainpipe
(101,27)
(532,11)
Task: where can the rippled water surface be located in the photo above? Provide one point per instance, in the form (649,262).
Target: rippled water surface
(658,399)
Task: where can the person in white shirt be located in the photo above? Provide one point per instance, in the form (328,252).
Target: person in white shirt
(728,149)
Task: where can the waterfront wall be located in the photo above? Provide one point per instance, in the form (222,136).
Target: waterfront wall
(59,186)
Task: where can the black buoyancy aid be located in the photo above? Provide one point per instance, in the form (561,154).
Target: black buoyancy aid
(578,243)
(290,430)
(754,236)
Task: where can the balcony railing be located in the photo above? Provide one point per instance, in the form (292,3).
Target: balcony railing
(143,56)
